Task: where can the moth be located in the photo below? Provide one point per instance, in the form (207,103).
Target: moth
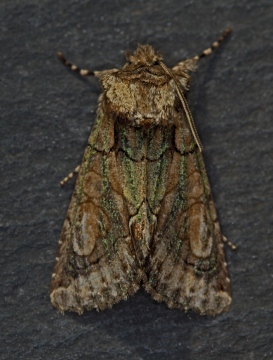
(142,211)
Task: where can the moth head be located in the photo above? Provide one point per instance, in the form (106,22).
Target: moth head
(144,55)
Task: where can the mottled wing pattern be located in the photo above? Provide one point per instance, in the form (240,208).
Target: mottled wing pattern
(142,208)
(95,265)
(186,266)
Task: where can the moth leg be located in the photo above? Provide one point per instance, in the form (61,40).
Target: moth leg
(82,72)
(190,64)
(229,243)
(70,176)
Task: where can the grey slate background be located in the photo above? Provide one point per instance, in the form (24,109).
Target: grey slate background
(46,117)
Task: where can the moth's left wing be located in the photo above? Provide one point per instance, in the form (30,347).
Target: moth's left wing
(95,265)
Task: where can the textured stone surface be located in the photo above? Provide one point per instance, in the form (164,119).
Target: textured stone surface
(46,116)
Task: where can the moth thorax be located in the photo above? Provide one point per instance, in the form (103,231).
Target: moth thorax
(139,103)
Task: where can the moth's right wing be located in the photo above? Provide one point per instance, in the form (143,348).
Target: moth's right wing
(95,265)
(186,265)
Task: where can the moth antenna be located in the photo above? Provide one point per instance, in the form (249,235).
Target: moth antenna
(185,106)
(82,72)
(190,64)
(214,45)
